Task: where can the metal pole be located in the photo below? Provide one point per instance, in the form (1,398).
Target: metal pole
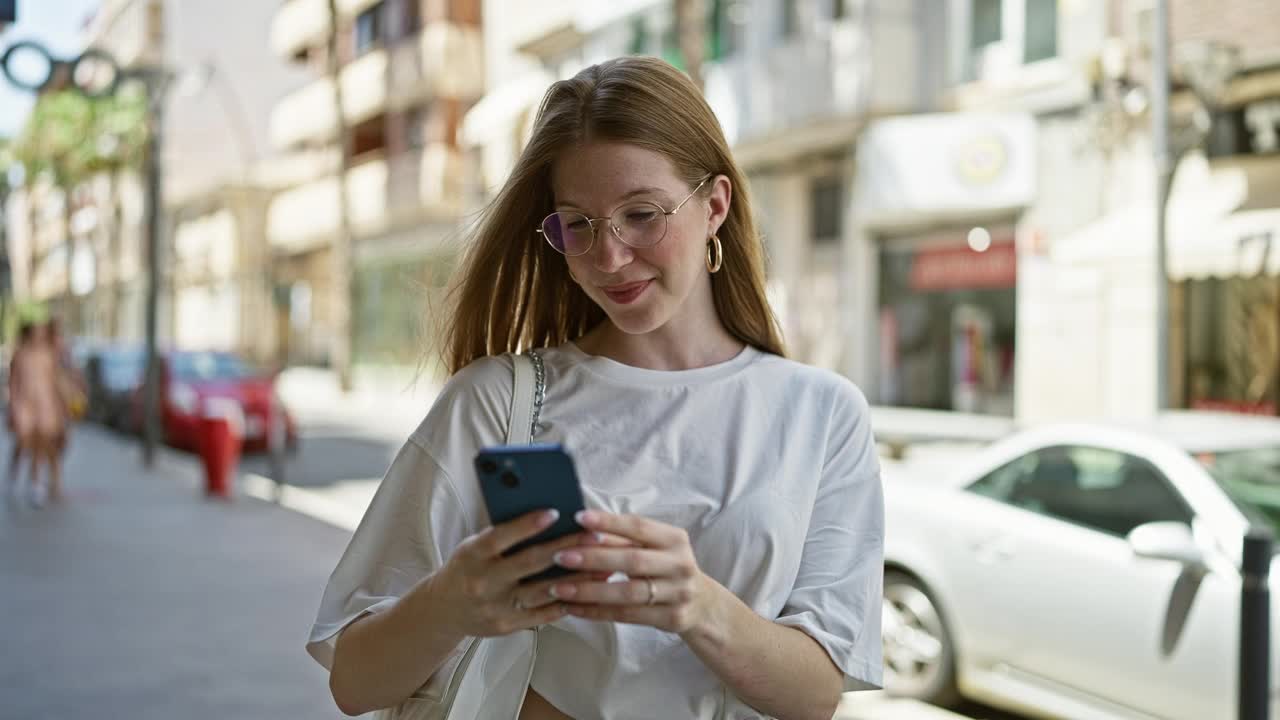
(155,83)
(1255,626)
(1164,174)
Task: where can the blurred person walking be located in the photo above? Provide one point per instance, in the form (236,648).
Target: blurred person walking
(37,412)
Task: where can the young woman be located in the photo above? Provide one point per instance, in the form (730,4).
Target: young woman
(37,413)
(738,491)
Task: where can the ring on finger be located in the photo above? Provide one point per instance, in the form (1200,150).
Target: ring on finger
(653,592)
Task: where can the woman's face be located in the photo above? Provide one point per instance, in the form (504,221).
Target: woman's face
(640,289)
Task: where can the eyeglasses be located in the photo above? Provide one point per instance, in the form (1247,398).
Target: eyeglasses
(640,225)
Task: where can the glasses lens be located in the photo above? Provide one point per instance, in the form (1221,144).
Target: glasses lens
(641,225)
(569,233)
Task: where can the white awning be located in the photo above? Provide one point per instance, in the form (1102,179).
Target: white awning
(1223,220)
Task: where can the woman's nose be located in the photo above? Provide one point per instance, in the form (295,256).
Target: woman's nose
(608,252)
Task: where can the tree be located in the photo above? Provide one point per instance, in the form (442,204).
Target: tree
(340,290)
(69,138)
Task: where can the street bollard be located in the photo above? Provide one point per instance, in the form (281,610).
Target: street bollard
(1255,627)
(221,430)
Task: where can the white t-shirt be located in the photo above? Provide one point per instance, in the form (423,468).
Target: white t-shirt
(768,464)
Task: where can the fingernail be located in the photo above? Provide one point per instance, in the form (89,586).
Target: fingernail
(550,516)
(567,558)
(599,537)
(581,516)
(561,592)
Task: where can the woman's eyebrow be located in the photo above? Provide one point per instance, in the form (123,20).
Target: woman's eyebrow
(646,190)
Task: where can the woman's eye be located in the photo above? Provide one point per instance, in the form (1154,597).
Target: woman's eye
(641,217)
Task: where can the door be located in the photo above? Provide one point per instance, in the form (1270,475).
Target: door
(1076,610)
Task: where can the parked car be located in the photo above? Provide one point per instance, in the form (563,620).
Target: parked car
(190,379)
(1081,571)
(112,375)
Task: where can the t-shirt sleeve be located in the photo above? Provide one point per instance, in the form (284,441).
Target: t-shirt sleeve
(837,594)
(413,523)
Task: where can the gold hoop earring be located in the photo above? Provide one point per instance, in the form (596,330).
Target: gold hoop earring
(714,249)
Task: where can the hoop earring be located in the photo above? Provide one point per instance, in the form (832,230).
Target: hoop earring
(714,249)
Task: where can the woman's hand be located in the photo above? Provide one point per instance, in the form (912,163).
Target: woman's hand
(482,587)
(665,589)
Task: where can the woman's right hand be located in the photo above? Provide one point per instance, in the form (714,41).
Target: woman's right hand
(482,588)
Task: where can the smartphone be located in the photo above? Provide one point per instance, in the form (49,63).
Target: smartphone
(519,479)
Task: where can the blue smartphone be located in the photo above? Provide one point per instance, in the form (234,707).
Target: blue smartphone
(519,479)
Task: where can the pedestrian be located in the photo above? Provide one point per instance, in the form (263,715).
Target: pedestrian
(37,411)
(737,492)
(25,332)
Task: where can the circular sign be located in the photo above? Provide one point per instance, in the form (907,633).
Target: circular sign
(983,159)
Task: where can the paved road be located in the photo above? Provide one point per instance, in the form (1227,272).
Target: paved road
(140,599)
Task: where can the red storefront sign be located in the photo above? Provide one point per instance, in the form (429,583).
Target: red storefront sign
(1234,406)
(962,268)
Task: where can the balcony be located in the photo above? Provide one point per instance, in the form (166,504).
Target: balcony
(301,24)
(444,60)
(408,188)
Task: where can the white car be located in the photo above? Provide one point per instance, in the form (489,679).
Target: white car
(1081,571)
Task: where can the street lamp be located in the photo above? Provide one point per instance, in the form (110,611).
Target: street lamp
(95,73)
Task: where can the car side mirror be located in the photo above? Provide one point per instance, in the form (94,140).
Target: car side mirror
(1167,541)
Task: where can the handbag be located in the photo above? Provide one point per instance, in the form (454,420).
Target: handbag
(489,677)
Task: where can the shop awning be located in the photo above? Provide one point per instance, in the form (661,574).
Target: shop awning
(1223,221)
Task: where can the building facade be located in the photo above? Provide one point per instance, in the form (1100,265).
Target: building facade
(410,69)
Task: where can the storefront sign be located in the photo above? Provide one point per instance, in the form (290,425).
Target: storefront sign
(960,268)
(945,165)
(1244,408)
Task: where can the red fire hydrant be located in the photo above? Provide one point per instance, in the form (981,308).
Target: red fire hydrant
(220,439)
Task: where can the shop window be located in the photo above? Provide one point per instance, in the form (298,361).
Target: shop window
(986,23)
(369,29)
(826,210)
(368,138)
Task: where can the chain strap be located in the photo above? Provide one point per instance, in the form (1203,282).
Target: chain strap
(539,390)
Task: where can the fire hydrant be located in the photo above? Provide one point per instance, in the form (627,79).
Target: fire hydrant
(221,431)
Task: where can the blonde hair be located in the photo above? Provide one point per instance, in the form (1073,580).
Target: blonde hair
(513,291)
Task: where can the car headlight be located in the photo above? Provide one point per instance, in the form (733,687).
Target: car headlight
(184,399)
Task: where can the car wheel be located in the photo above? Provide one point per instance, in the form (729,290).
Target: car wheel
(919,656)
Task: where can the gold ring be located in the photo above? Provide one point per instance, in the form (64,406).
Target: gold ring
(653,592)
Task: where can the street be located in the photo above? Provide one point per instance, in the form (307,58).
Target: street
(139,598)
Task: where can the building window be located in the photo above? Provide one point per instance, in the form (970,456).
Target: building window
(639,37)
(415,128)
(401,19)
(369,28)
(1006,33)
(1041,30)
(839,9)
(826,210)
(368,138)
(789,23)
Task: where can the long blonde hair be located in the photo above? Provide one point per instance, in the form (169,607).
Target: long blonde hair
(513,291)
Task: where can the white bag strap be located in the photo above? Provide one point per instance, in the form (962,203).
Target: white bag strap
(528,389)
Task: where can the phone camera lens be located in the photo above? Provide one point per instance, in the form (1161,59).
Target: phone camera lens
(488,467)
(509,479)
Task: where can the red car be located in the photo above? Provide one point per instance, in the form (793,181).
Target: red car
(189,380)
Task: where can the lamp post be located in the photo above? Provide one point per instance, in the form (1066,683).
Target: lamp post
(95,73)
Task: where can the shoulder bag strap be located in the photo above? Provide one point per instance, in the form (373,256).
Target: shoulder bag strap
(528,388)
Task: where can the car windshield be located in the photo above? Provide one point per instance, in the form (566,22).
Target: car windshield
(1251,478)
(122,370)
(204,366)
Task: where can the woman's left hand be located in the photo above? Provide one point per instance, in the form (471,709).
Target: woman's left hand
(665,589)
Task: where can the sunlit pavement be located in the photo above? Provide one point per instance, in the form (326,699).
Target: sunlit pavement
(138,598)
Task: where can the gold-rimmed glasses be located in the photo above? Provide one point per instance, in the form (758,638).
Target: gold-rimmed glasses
(640,224)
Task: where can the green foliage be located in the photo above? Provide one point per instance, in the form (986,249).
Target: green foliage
(71,137)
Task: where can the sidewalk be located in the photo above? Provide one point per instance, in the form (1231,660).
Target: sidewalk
(140,599)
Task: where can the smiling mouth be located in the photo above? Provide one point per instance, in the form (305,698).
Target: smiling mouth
(627,293)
